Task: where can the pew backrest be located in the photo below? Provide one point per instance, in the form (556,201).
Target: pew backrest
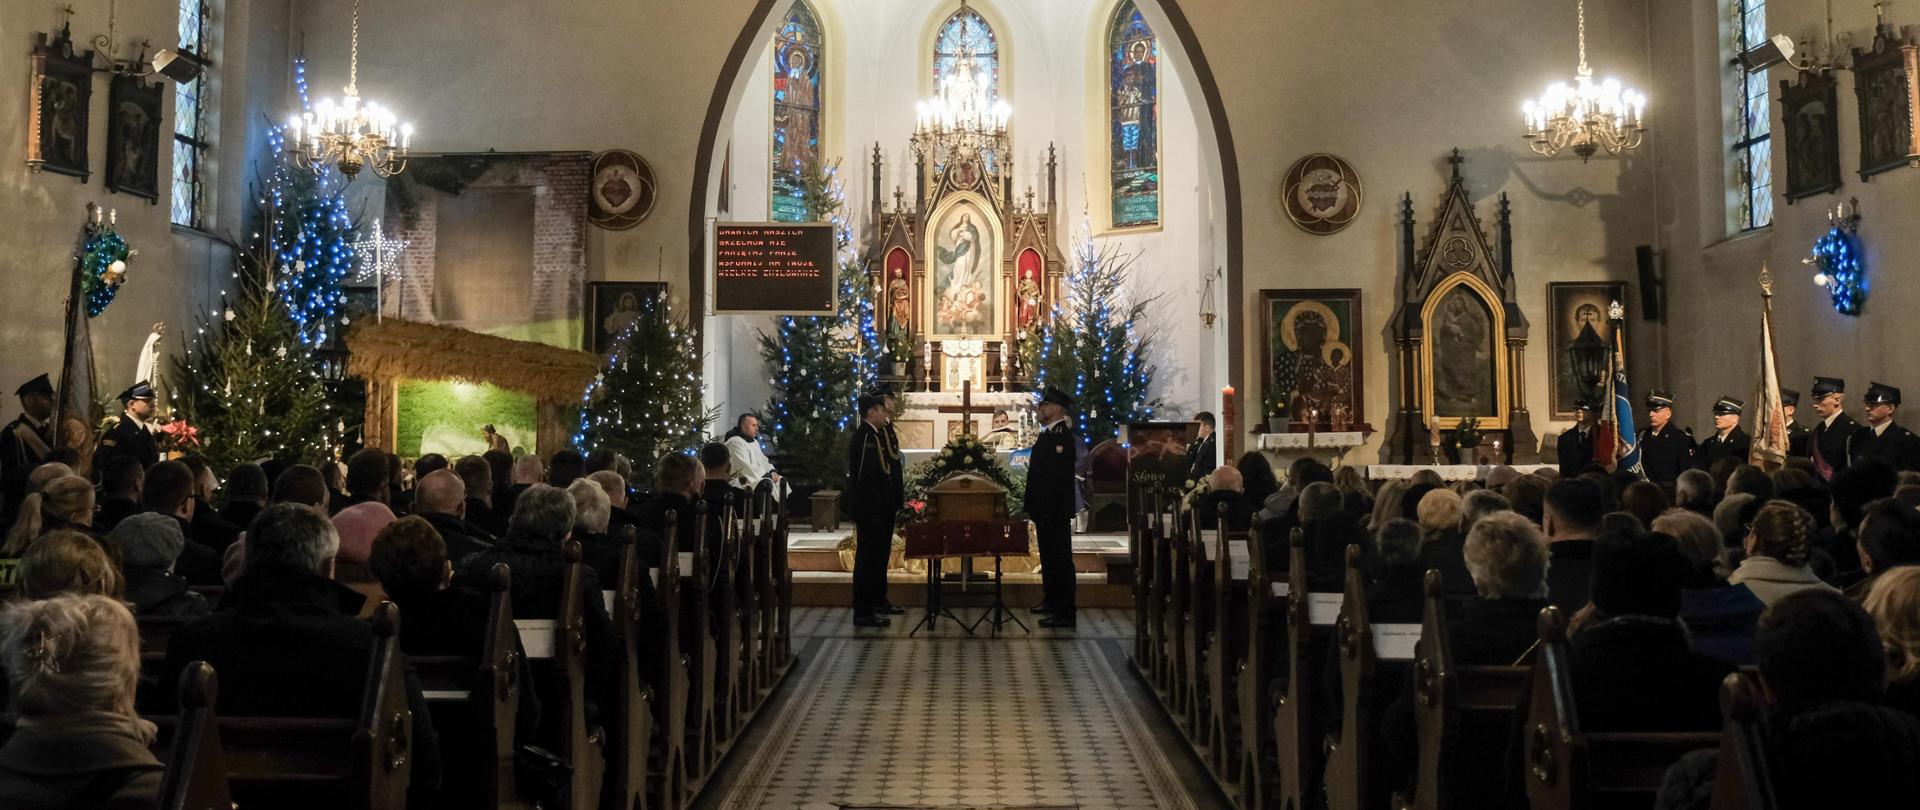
(196,775)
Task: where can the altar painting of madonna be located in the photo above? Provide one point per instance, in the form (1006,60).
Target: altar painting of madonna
(964,257)
(1311,344)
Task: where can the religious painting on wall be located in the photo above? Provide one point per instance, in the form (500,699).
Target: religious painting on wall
(1321,194)
(965,250)
(1571,307)
(133,137)
(1884,81)
(614,306)
(1464,340)
(623,190)
(1808,110)
(1310,355)
(796,111)
(62,91)
(1134,144)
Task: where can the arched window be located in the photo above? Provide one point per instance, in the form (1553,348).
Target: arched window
(797,104)
(1133,118)
(967,32)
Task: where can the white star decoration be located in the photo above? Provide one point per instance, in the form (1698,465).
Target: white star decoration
(379,256)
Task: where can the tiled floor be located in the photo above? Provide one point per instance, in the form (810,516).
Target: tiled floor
(874,718)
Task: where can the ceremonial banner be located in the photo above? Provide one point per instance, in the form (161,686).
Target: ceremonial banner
(1770,441)
(1617,443)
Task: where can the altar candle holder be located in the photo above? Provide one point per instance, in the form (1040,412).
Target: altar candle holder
(1433,434)
(1497,457)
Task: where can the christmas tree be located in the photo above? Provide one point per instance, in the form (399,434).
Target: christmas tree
(310,233)
(1092,347)
(246,380)
(819,365)
(646,402)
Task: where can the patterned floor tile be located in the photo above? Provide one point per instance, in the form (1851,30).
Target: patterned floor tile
(876,719)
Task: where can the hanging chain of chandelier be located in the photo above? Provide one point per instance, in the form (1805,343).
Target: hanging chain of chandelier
(1586,116)
(353,134)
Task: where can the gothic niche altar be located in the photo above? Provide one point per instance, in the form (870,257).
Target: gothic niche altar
(1459,333)
(963,270)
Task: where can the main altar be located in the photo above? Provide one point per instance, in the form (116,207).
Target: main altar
(963,269)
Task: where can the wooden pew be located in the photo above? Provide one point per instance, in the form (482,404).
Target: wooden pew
(1154,570)
(359,762)
(563,641)
(631,743)
(1197,575)
(155,633)
(1308,617)
(724,606)
(1174,642)
(1366,652)
(669,770)
(766,578)
(752,585)
(1227,641)
(1461,713)
(783,592)
(1568,769)
(196,775)
(1136,554)
(1265,600)
(696,637)
(476,699)
(1742,778)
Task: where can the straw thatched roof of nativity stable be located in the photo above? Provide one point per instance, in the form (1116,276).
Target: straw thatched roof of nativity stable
(393,349)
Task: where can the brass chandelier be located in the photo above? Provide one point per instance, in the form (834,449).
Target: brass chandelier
(1586,116)
(353,134)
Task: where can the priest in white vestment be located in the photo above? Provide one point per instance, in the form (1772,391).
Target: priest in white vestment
(748,459)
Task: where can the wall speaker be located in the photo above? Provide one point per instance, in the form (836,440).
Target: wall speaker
(1651,287)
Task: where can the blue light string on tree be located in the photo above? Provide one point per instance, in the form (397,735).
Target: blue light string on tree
(1837,262)
(311,233)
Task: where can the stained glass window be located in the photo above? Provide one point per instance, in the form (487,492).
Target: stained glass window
(967,32)
(1133,148)
(796,109)
(190,128)
(1752,190)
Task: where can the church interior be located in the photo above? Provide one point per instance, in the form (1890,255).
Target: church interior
(1009,404)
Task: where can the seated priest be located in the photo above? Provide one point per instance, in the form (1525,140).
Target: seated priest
(748,460)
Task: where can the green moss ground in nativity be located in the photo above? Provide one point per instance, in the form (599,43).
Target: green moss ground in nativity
(445,417)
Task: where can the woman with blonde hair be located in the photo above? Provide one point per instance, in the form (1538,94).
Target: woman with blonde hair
(73,662)
(1386,503)
(1778,547)
(63,502)
(68,562)
(1894,604)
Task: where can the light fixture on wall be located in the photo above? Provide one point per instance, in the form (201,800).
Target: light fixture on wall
(352,134)
(1780,48)
(1207,312)
(1586,116)
(963,119)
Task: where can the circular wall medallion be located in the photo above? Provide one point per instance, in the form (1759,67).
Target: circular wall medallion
(1321,194)
(623,190)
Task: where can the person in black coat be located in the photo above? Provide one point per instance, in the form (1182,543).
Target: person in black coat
(543,519)
(1880,439)
(476,474)
(1728,440)
(25,442)
(1575,450)
(121,482)
(1827,445)
(1632,662)
(246,492)
(286,641)
(1665,449)
(440,498)
(1202,453)
(147,545)
(130,436)
(1225,489)
(1796,433)
(1571,519)
(874,495)
(1051,502)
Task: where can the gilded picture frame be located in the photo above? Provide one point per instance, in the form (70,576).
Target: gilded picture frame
(1312,345)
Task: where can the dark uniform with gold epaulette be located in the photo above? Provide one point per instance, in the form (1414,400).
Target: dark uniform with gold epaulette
(1828,443)
(1893,445)
(128,437)
(874,495)
(1665,453)
(24,445)
(1050,503)
(1736,444)
(1796,433)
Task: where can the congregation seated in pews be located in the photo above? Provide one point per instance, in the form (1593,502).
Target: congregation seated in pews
(580,659)
(1538,641)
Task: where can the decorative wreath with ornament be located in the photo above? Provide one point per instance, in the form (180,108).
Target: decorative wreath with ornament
(102,262)
(963,454)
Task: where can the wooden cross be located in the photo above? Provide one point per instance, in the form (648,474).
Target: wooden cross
(966,406)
